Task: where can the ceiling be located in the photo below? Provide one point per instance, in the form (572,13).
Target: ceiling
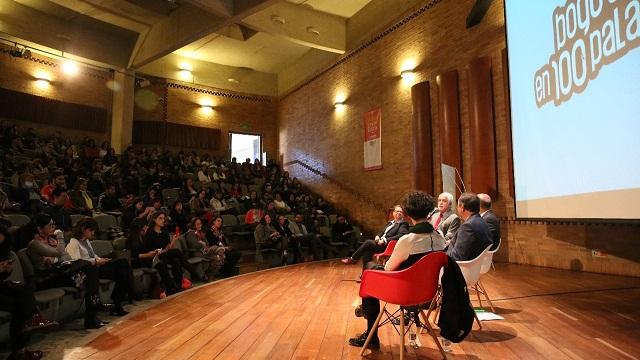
(241,45)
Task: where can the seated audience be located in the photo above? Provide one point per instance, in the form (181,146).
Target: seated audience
(196,239)
(58,212)
(108,201)
(17,298)
(268,237)
(299,233)
(410,248)
(394,230)
(179,216)
(80,198)
(118,270)
(490,218)
(279,204)
(473,235)
(54,268)
(215,237)
(342,231)
(158,238)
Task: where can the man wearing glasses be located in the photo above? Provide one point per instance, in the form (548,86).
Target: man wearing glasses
(393,230)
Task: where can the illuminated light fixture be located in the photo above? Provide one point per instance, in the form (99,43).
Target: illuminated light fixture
(278,19)
(70,67)
(339,104)
(184,71)
(408,75)
(43,80)
(233,80)
(206,106)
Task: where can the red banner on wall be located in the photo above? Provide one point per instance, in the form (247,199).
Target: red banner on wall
(372,140)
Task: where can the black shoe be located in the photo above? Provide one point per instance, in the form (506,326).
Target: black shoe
(358,311)
(118,311)
(26,355)
(94,323)
(107,307)
(359,341)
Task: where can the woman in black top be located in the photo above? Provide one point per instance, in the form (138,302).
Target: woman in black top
(215,236)
(179,216)
(17,298)
(158,239)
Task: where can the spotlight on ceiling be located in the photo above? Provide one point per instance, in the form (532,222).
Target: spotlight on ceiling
(70,67)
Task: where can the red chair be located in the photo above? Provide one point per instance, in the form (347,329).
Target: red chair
(409,287)
(387,252)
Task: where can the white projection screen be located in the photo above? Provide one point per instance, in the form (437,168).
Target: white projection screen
(574,76)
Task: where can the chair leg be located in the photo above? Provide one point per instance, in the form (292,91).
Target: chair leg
(401,334)
(434,303)
(484,292)
(375,327)
(475,287)
(434,337)
(476,316)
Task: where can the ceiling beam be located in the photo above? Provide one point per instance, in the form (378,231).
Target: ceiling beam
(79,36)
(188,24)
(300,23)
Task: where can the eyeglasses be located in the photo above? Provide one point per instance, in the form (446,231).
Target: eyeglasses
(397,211)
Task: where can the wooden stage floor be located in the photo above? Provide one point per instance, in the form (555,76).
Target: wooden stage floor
(306,312)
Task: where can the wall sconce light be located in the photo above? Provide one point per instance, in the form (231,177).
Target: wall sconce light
(206,106)
(408,75)
(339,104)
(70,67)
(184,71)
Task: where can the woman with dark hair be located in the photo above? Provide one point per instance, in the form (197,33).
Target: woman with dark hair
(80,198)
(118,270)
(179,216)
(136,210)
(54,268)
(196,238)
(17,298)
(189,190)
(159,239)
(215,237)
(267,236)
(26,195)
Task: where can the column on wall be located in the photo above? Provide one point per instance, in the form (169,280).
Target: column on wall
(482,128)
(422,144)
(449,126)
(122,111)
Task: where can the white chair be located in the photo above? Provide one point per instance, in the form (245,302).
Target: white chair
(471,270)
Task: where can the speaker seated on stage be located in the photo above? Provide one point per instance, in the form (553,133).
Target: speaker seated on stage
(393,230)
(421,240)
(443,218)
(491,219)
(473,235)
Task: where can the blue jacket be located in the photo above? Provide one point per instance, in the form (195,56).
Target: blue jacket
(471,239)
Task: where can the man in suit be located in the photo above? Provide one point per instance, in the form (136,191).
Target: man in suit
(490,218)
(473,235)
(443,219)
(394,230)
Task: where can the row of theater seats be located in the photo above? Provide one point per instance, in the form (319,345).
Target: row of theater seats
(65,303)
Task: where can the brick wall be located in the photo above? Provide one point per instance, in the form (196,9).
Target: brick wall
(232,112)
(87,87)
(313,132)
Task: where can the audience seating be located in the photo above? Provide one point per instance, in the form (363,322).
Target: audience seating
(48,300)
(18,219)
(170,196)
(105,222)
(75,218)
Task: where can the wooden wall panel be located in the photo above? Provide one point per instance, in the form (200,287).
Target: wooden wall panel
(422,143)
(482,128)
(449,106)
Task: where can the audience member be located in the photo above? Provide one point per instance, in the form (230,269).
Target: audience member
(216,237)
(268,237)
(118,270)
(58,212)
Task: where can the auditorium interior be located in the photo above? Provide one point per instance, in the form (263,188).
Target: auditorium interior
(344,110)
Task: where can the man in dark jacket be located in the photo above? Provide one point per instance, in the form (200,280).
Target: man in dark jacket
(473,235)
(490,218)
(393,230)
